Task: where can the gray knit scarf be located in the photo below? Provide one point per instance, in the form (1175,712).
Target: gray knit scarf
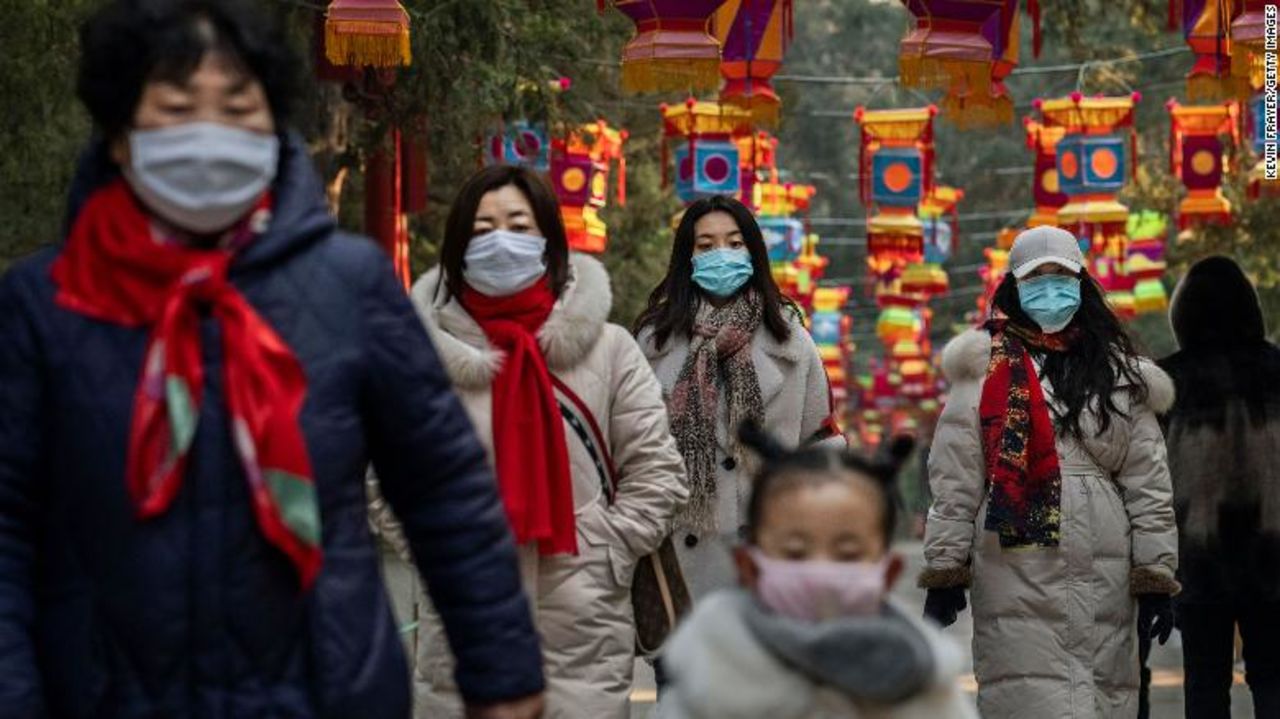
(719,357)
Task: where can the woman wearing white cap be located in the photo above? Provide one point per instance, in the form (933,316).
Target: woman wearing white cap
(1052,499)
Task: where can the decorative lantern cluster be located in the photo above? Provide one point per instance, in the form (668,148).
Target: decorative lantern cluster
(580,166)
(707,153)
(1092,167)
(1197,158)
(911,231)
(672,49)
(895,174)
(967,48)
(831,328)
(754,35)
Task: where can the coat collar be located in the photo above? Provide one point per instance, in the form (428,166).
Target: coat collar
(569,334)
(965,359)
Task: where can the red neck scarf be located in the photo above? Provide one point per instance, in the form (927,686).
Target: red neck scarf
(112,269)
(1018,440)
(528,433)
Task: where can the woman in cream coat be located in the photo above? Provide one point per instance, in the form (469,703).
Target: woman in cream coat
(1066,534)
(582,604)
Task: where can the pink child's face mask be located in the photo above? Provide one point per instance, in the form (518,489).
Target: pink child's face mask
(816,590)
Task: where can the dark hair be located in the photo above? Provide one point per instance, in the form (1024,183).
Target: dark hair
(132,42)
(1086,376)
(785,469)
(458,229)
(674,303)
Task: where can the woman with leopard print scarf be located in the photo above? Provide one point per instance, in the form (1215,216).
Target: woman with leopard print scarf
(728,347)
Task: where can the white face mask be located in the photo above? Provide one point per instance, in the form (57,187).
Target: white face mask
(502,263)
(201,176)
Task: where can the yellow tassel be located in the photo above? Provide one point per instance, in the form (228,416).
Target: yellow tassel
(956,76)
(1207,88)
(643,76)
(366,44)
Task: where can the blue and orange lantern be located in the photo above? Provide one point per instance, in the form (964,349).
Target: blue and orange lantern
(896,173)
(1093,164)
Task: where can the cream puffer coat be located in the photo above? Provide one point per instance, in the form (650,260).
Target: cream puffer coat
(797,406)
(1055,628)
(582,604)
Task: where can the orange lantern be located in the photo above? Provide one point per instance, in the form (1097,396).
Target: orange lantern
(367,33)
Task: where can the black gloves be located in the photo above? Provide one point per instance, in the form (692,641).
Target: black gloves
(1155,616)
(942,605)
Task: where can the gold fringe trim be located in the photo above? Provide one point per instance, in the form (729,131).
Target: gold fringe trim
(968,115)
(764,111)
(1206,88)
(362,43)
(651,75)
(960,77)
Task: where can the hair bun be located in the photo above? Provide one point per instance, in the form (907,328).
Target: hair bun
(891,456)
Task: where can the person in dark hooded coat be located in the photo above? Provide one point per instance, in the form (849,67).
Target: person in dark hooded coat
(1223,436)
(192,384)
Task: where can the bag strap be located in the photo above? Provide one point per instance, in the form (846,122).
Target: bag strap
(584,424)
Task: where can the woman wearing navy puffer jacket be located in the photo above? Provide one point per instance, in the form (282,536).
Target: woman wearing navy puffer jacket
(191,386)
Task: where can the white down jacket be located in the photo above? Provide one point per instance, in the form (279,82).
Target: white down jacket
(582,604)
(1055,628)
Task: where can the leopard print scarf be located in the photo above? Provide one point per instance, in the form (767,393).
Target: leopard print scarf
(719,357)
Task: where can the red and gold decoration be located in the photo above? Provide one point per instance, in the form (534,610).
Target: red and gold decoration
(830,328)
(1046,189)
(967,48)
(672,49)
(754,35)
(367,33)
(1196,157)
(580,168)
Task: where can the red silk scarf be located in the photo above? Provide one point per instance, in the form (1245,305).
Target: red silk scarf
(112,269)
(1018,440)
(528,433)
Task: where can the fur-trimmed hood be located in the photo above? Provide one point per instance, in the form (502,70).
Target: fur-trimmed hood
(966,357)
(568,336)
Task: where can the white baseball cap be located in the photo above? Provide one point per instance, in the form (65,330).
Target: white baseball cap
(1041,246)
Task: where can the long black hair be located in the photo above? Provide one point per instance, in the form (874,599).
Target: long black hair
(674,303)
(1087,375)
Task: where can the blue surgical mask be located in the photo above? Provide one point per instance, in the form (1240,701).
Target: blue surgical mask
(1050,300)
(722,272)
